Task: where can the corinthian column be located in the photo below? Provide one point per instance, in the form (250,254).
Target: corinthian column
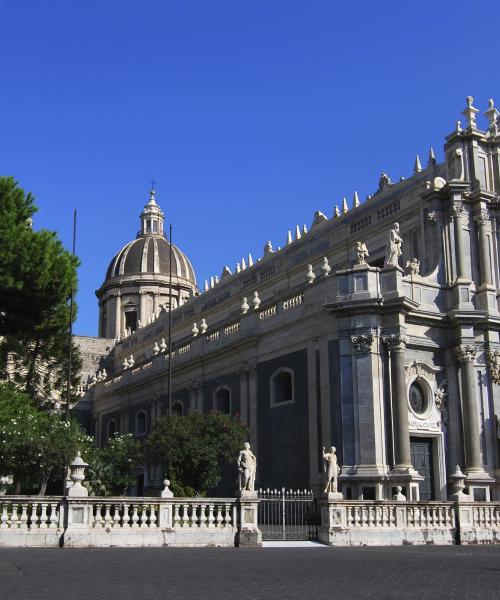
(466,355)
(396,344)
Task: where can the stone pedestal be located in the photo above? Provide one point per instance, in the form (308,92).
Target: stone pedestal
(248,533)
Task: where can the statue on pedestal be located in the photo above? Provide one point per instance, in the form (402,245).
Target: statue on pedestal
(362,253)
(393,249)
(247,466)
(332,471)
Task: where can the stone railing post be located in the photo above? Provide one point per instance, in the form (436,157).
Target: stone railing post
(165,519)
(248,533)
(333,529)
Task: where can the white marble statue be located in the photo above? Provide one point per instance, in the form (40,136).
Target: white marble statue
(393,248)
(332,470)
(362,253)
(247,466)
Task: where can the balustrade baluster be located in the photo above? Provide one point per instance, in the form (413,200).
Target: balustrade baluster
(392,515)
(203,519)
(33,517)
(152,517)
(177,518)
(5,517)
(116,515)
(107,517)
(227,515)
(135,517)
(43,516)
(24,516)
(211,515)
(126,517)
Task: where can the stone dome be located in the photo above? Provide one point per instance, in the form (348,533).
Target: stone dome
(140,280)
(150,253)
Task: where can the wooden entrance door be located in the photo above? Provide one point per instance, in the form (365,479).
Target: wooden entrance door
(421,459)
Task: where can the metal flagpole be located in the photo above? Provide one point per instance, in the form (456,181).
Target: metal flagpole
(170,326)
(70,334)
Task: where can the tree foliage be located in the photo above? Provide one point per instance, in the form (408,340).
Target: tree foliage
(36,446)
(36,278)
(112,468)
(194,449)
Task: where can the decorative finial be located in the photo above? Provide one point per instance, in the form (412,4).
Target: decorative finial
(458,126)
(431,161)
(226,272)
(418,165)
(492,115)
(337,211)
(470,113)
(243,264)
(355,200)
(345,208)
(206,288)
(250,260)
(289,239)
(203,326)
(304,229)
(244,306)
(297,232)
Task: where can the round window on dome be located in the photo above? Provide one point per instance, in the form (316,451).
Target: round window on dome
(417,398)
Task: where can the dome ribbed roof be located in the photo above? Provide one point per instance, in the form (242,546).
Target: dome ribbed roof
(150,254)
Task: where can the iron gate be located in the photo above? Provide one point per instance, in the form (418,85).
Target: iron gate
(288,515)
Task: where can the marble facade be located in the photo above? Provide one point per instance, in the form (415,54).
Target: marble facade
(395,366)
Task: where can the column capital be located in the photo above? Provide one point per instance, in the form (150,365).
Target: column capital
(396,342)
(457,209)
(194,385)
(482,217)
(466,352)
(362,343)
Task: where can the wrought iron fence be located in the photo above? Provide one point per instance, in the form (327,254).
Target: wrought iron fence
(288,515)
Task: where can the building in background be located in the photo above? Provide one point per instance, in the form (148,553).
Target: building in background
(333,339)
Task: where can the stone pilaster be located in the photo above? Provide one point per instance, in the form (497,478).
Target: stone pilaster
(396,344)
(482,221)
(457,213)
(118,316)
(466,354)
(252,404)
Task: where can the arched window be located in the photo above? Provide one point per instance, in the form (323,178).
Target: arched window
(417,398)
(177,409)
(222,400)
(282,387)
(140,423)
(111,428)
(130,317)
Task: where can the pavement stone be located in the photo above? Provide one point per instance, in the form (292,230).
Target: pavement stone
(407,572)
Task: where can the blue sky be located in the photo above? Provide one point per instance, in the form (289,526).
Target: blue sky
(250,115)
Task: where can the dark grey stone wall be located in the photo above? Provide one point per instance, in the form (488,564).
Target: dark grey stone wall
(283,431)
(232,381)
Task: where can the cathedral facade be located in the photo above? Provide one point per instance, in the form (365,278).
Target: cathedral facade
(375,330)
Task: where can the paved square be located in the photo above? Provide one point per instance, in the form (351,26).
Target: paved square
(428,572)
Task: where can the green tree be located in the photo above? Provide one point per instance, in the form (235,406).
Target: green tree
(36,278)
(36,446)
(194,449)
(112,468)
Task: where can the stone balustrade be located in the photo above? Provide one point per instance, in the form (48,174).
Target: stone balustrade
(351,523)
(122,521)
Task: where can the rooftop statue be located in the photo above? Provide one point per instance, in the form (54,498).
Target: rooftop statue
(393,249)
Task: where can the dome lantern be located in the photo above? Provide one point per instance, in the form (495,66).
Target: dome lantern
(151,217)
